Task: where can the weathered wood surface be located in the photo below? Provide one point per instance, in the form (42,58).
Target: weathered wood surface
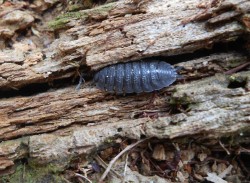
(65,107)
(62,124)
(125,31)
(70,122)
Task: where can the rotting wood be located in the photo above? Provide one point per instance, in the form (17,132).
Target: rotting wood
(212,114)
(63,124)
(214,111)
(152,31)
(55,109)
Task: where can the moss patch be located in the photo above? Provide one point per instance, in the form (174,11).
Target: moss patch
(63,19)
(180,104)
(28,174)
(237,81)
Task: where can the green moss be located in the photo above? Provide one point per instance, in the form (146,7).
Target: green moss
(28,174)
(102,10)
(63,19)
(237,81)
(184,100)
(81,5)
(109,140)
(233,63)
(180,104)
(69,15)
(75,7)
(58,24)
(19,141)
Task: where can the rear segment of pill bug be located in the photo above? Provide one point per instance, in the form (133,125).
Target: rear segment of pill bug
(167,74)
(135,77)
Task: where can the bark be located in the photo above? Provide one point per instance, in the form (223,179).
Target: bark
(64,124)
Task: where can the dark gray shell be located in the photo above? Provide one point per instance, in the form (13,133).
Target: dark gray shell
(135,77)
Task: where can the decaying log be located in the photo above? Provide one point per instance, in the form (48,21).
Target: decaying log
(70,123)
(59,125)
(154,28)
(65,107)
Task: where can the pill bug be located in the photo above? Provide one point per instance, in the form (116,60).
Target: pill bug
(135,77)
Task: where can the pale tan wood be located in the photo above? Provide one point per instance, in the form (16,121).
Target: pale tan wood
(82,120)
(62,124)
(130,31)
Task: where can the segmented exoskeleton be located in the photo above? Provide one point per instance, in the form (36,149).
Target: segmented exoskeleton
(135,77)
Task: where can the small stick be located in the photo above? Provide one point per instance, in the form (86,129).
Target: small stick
(81,81)
(104,165)
(242,149)
(85,178)
(226,171)
(125,168)
(222,145)
(243,167)
(236,69)
(117,157)
(67,181)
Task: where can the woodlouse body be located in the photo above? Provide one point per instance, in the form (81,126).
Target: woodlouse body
(135,77)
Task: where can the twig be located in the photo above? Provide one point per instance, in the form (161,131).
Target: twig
(81,81)
(80,180)
(214,159)
(24,169)
(242,149)
(125,168)
(176,146)
(157,167)
(243,167)
(105,165)
(117,157)
(65,179)
(79,175)
(236,69)
(226,171)
(222,145)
